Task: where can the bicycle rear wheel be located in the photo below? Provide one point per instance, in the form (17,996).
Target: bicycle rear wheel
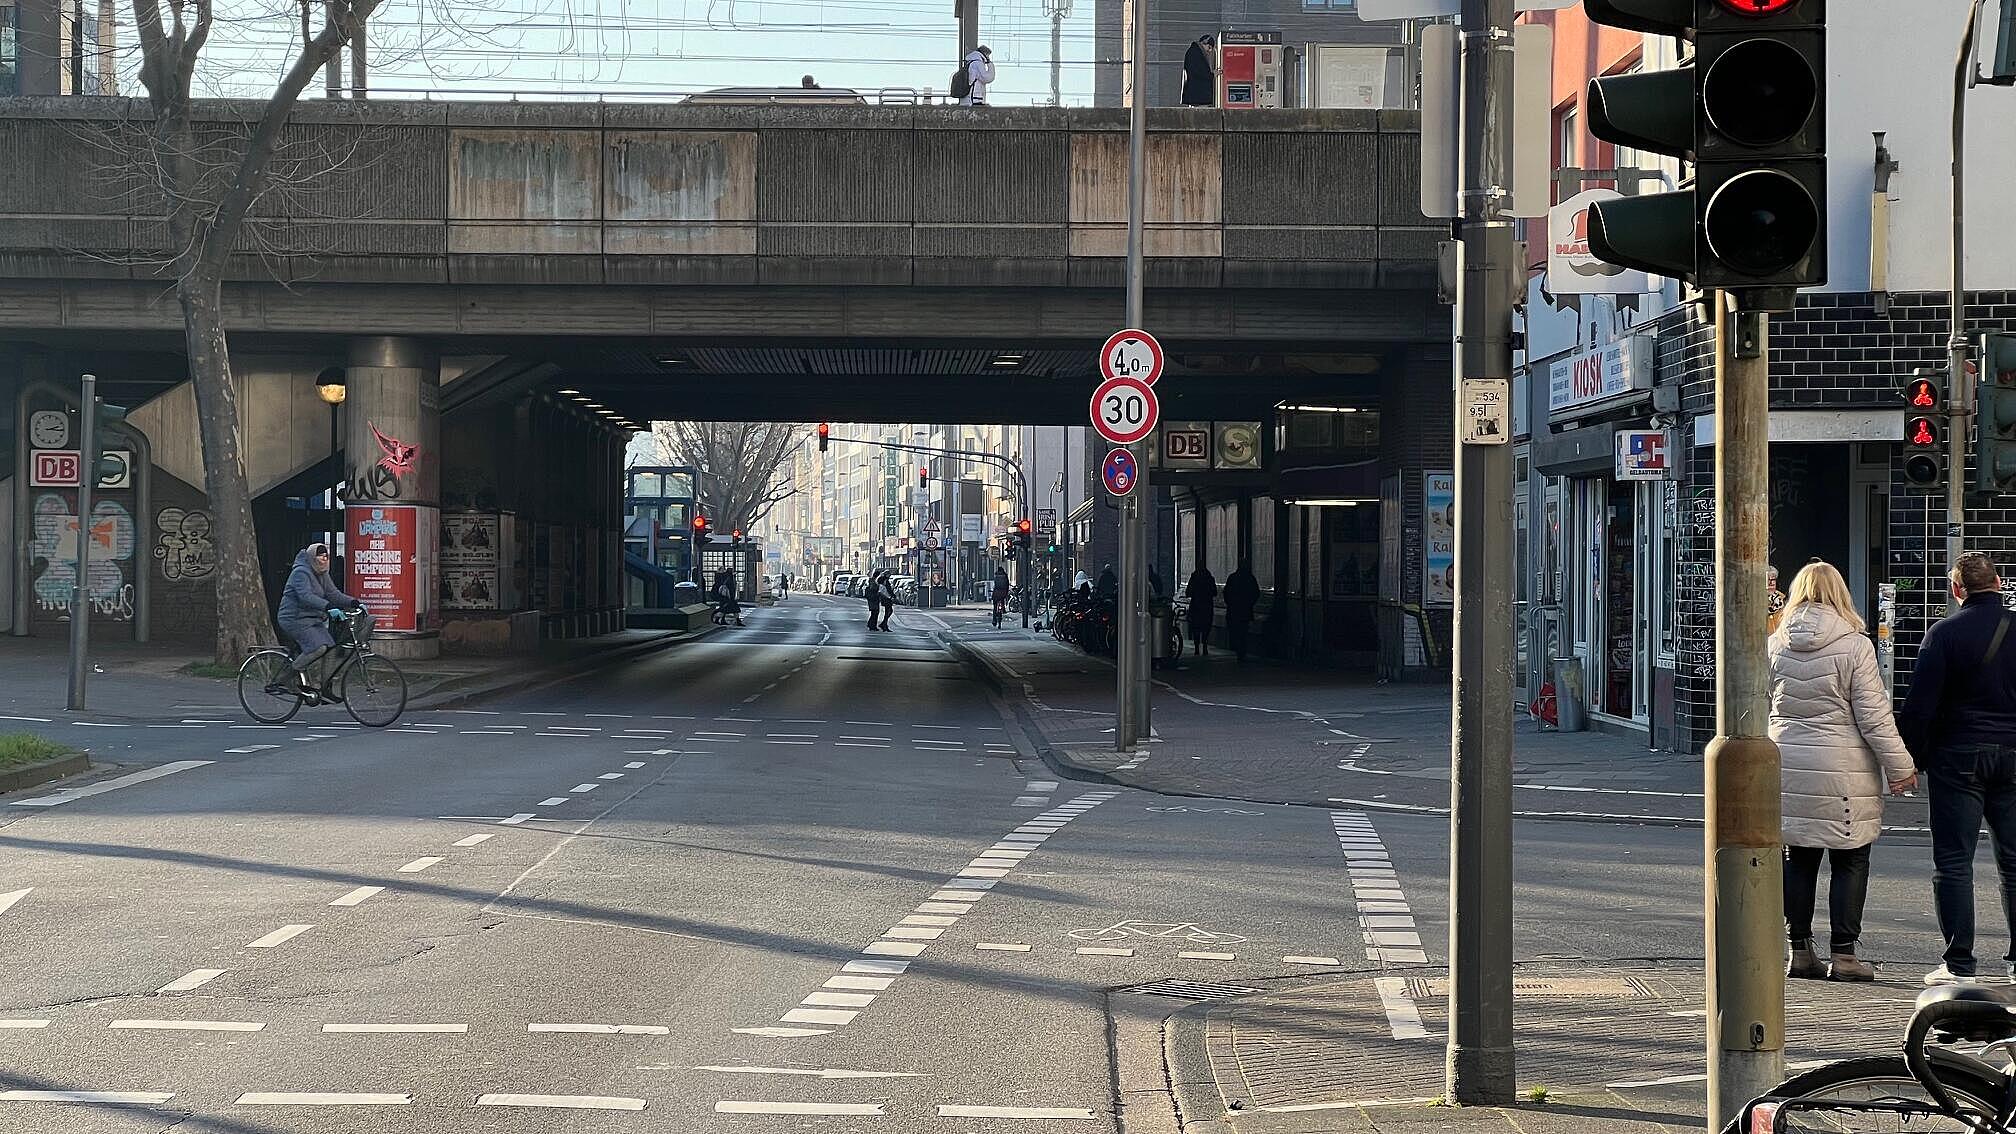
(374,690)
(1880,1078)
(266,687)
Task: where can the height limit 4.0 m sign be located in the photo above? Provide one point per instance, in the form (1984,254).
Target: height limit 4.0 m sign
(1132,354)
(1124,410)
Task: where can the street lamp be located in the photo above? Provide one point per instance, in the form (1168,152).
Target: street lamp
(332,389)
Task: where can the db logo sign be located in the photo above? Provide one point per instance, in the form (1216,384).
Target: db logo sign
(54,468)
(1186,445)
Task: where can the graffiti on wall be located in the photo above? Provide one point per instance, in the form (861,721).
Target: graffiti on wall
(184,545)
(384,478)
(54,554)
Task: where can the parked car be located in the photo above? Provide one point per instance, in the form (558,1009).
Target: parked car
(840,583)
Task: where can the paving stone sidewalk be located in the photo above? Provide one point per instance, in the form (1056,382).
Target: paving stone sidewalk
(1281,734)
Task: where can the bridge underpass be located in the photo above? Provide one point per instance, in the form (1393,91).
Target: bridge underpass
(867,265)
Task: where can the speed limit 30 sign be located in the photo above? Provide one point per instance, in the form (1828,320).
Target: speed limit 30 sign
(1131,354)
(1124,410)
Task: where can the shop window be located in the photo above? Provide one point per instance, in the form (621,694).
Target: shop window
(1186,546)
(1221,539)
(1263,541)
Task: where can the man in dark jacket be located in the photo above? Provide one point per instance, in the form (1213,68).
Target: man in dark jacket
(1197,73)
(1959,721)
(1108,586)
(1242,593)
(305,603)
(872,591)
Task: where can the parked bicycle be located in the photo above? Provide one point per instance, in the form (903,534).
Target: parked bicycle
(1913,1090)
(371,688)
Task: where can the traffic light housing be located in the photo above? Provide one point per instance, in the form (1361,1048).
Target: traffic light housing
(1748,109)
(825,432)
(1924,437)
(699,530)
(1995,416)
(737,536)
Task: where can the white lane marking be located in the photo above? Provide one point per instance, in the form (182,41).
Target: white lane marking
(838,1000)
(1099,951)
(607,716)
(601,1029)
(811,1072)
(1199,956)
(1384,916)
(187,1025)
(568,1102)
(610,776)
(732,1106)
(392,1029)
(71,795)
(868,983)
(22,1025)
(578,788)
(895,949)
(1401,1014)
(553,801)
(782,1033)
(1014,1112)
(1309,961)
(936,907)
(912,933)
(419,864)
(880,968)
(635,764)
(11,898)
(472,840)
(1042,785)
(46,720)
(321,1098)
(280,936)
(1001,946)
(1030,800)
(106,1098)
(195,979)
(97,724)
(818,1016)
(185,720)
(930,919)
(883,739)
(357,895)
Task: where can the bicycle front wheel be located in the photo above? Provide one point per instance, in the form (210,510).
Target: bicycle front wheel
(266,687)
(1881,1079)
(374,690)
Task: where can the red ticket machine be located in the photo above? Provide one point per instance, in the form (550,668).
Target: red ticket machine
(1249,70)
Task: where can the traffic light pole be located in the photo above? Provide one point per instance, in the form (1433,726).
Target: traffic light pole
(1745,884)
(1132,726)
(1959,395)
(1479,1059)
(80,596)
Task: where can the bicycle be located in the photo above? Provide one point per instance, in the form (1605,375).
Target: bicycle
(1900,1092)
(371,688)
(1000,608)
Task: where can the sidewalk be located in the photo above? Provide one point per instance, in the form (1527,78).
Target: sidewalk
(1624,1048)
(1272,733)
(133,682)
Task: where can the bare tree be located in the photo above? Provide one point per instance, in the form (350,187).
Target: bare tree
(738,463)
(209,179)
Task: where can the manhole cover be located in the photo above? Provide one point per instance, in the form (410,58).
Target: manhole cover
(1552,988)
(1191,989)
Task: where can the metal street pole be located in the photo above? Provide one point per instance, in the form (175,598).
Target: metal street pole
(1959,395)
(80,599)
(1478,1065)
(1745,884)
(1132,727)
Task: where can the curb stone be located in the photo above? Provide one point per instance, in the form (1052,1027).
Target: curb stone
(1200,1105)
(37,774)
(1053,758)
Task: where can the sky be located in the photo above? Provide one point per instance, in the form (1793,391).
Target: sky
(630,49)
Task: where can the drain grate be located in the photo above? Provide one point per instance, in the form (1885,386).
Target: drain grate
(1177,989)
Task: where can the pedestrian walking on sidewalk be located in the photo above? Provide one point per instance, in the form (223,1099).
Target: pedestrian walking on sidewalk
(1960,723)
(1202,591)
(1830,716)
(873,593)
(1242,594)
(885,593)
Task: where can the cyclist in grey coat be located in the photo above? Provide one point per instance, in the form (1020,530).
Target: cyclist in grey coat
(305,603)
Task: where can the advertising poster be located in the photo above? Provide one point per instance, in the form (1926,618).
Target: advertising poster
(384,544)
(1438,539)
(471,544)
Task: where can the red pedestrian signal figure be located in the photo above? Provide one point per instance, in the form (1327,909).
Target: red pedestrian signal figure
(699,525)
(1758,7)
(1923,394)
(1922,433)
(923,476)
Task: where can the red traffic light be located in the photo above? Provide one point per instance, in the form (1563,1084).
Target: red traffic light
(1921,433)
(825,431)
(699,523)
(1022,525)
(1922,394)
(1759,7)
(923,475)
(738,533)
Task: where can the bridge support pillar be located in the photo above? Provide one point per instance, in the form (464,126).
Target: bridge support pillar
(392,493)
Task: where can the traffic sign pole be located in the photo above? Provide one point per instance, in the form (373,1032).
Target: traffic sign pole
(1132,725)
(80,598)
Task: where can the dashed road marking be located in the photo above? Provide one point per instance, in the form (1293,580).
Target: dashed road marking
(1201,956)
(569,1102)
(1001,946)
(1101,951)
(321,1098)
(358,895)
(517,819)
(553,801)
(1310,961)
(736,1106)
(196,978)
(71,795)
(280,936)
(1065,1112)
(1402,1017)
(13,897)
(601,1029)
(472,840)
(22,1025)
(392,1029)
(419,864)
(187,1025)
(103,1098)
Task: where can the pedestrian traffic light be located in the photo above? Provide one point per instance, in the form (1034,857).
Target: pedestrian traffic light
(1924,454)
(825,431)
(1748,109)
(1995,416)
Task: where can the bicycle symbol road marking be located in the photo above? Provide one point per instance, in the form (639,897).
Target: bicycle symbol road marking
(1159,931)
(1204,811)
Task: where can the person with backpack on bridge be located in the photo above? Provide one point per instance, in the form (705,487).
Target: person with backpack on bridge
(969,83)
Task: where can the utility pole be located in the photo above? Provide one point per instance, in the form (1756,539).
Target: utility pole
(969,27)
(80,595)
(1132,726)
(1959,387)
(1057,10)
(1479,1060)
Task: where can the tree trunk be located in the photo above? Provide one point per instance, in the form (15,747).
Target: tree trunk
(242,621)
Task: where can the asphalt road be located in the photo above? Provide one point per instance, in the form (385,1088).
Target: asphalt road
(795,874)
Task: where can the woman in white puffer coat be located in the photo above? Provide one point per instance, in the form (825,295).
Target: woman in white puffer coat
(1831,718)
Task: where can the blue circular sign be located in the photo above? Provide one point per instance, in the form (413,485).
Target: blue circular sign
(1119,472)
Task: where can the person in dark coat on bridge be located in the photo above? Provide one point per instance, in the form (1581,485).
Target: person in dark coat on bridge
(1202,591)
(1197,73)
(1242,594)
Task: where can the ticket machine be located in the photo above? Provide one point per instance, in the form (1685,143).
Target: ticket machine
(1249,70)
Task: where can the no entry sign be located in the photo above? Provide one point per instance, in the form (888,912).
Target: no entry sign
(1124,410)
(1119,472)
(1131,354)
